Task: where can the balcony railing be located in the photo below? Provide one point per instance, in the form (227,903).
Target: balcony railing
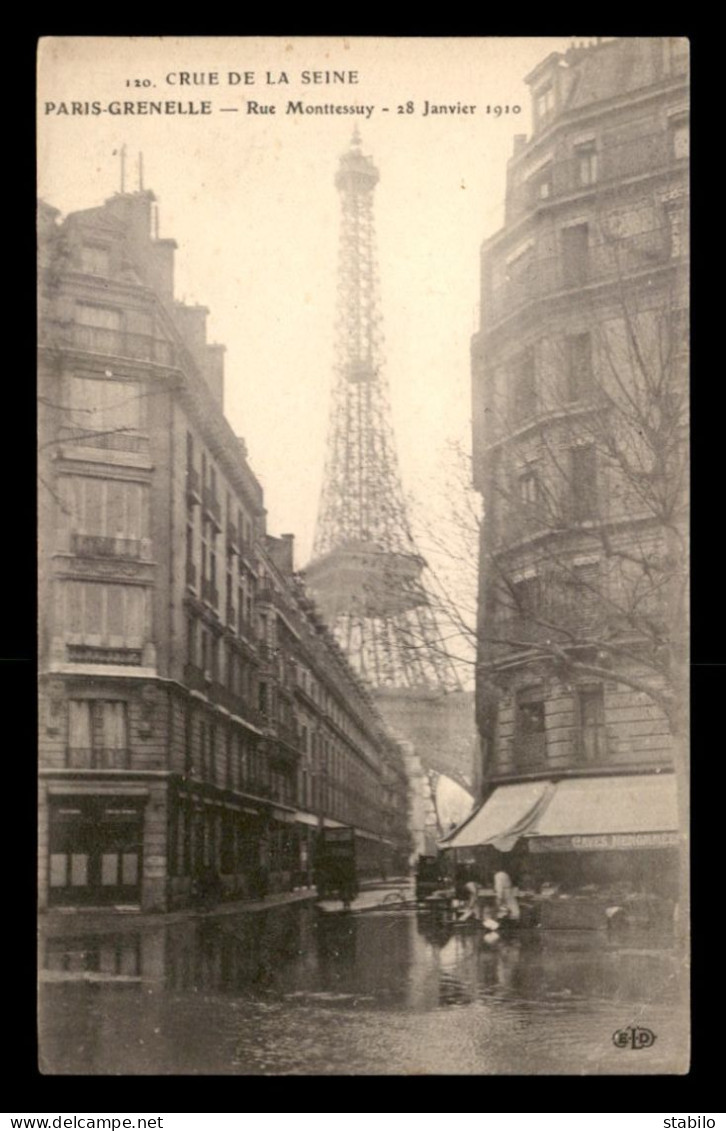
(100,654)
(648,154)
(233,703)
(97,758)
(97,545)
(604,260)
(110,342)
(111,440)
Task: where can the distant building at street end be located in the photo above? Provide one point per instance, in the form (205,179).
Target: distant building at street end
(196,717)
(579,388)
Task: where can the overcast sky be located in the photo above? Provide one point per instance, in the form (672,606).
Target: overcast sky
(251,201)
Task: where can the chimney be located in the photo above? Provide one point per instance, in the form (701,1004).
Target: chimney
(281,550)
(214,371)
(192,323)
(162,260)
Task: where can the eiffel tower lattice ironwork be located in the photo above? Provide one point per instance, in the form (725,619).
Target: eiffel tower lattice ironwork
(366,574)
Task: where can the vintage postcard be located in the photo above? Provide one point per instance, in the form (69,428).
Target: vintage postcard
(363,505)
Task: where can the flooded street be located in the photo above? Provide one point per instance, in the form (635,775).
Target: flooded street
(294,990)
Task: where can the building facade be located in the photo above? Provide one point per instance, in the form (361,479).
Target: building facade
(579,396)
(194,713)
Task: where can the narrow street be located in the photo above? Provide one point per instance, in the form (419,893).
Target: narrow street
(300,988)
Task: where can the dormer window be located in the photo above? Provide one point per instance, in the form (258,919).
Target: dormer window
(544,103)
(95,260)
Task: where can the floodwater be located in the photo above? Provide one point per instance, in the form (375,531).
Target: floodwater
(293,990)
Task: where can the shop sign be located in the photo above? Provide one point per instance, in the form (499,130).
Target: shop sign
(602,842)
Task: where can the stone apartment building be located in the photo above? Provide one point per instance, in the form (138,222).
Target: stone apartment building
(579,386)
(194,712)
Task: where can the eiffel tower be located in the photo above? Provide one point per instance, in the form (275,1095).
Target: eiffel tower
(367,575)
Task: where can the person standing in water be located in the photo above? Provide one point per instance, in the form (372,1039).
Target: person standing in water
(507,905)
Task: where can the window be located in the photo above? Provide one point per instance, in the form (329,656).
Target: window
(524,395)
(528,488)
(544,103)
(591,719)
(100,317)
(583,482)
(106,614)
(579,366)
(97,734)
(527,596)
(575,254)
(113,513)
(95,259)
(107,413)
(530,736)
(579,595)
(586,164)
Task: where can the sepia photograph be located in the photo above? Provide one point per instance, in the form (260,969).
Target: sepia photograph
(363,571)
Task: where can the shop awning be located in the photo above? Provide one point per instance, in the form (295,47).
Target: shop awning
(638,811)
(503,818)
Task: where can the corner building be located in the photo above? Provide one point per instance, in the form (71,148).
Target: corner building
(583,337)
(193,712)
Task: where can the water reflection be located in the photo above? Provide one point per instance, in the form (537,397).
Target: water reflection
(224,994)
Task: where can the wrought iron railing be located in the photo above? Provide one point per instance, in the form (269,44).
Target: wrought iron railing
(97,545)
(97,758)
(100,654)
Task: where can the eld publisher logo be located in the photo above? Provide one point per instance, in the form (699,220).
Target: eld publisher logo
(633,1037)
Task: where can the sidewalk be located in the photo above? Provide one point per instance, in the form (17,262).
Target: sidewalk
(87,918)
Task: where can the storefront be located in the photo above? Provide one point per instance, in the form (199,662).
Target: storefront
(580,831)
(95,849)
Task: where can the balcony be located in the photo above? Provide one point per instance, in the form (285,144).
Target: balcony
(97,758)
(213,507)
(647,155)
(110,440)
(100,546)
(110,342)
(234,703)
(607,259)
(99,654)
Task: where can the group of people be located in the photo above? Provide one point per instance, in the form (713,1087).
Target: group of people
(506,903)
